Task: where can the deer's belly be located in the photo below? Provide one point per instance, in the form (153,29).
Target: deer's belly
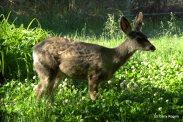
(76,69)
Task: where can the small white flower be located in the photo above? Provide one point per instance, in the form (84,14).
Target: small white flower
(60,86)
(83,98)
(66,101)
(161,98)
(160,108)
(34,77)
(64,84)
(155,94)
(109,81)
(73,86)
(167,101)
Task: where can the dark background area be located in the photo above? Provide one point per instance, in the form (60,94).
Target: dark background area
(69,16)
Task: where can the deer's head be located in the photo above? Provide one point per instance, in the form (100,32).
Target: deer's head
(137,40)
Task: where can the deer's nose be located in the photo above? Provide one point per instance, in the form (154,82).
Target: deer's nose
(152,48)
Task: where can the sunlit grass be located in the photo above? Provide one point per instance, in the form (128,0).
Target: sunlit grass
(16,49)
(149,84)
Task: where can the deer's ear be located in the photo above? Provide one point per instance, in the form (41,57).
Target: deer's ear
(138,21)
(125,25)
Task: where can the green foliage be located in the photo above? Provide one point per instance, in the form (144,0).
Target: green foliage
(170,27)
(16,48)
(147,88)
(110,28)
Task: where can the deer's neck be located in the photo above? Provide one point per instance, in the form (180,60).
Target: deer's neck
(124,52)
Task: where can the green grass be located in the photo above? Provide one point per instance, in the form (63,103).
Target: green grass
(16,48)
(148,87)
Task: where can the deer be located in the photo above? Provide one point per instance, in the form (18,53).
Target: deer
(58,57)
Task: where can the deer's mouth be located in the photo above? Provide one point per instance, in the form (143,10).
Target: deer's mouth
(150,48)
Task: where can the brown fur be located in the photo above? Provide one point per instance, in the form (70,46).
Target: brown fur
(56,57)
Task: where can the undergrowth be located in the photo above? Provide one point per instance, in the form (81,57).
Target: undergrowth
(16,48)
(147,88)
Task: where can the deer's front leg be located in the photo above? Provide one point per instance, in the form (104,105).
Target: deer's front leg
(93,89)
(93,82)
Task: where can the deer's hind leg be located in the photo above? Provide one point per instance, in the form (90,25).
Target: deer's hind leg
(47,80)
(47,70)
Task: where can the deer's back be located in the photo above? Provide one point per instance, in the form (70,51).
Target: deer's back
(78,59)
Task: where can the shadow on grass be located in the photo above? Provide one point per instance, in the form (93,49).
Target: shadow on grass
(6,117)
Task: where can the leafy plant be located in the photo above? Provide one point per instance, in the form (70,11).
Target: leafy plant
(170,27)
(147,88)
(110,28)
(15,48)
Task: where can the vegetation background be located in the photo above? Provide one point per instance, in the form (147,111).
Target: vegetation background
(148,87)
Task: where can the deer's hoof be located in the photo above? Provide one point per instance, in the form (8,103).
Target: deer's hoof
(93,95)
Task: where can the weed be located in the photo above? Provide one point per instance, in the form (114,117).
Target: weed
(15,48)
(147,88)
(111,27)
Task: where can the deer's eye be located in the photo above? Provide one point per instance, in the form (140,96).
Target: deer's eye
(139,39)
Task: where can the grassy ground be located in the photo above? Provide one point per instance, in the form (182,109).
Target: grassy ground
(148,87)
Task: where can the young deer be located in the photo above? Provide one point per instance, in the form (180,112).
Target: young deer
(57,57)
